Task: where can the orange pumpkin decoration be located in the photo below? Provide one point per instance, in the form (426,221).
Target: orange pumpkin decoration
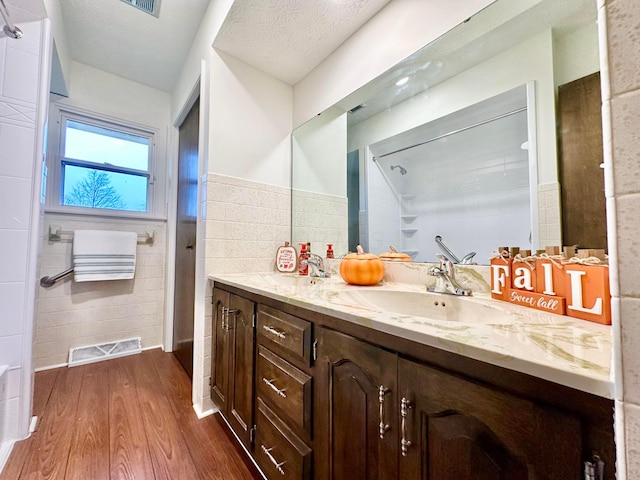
(361,268)
(395,256)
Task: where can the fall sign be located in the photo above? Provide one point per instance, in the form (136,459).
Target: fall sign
(580,291)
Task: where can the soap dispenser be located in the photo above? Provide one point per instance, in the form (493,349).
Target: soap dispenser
(303,265)
(329,250)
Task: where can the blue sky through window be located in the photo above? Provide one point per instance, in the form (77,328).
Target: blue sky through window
(108,147)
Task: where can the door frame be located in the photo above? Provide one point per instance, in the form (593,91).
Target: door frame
(200,89)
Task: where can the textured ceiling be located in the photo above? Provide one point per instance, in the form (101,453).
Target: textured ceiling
(117,38)
(288,38)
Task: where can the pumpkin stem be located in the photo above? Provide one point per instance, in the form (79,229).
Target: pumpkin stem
(360,250)
(393,249)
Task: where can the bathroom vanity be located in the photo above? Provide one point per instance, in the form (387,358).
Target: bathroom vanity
(323,380)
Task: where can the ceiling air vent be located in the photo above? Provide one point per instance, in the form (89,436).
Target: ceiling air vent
(357,107)
(152,7)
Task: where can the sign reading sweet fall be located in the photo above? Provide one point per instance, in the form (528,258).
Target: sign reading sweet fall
(576,290)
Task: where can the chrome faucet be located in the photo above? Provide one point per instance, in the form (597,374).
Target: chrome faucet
(445,279)
(316,266)
(466,260)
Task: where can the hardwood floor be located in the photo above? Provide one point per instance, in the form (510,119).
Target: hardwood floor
(121,419)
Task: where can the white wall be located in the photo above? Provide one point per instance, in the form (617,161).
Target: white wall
(397,31)
(24,79)
(250,123)
(575,54)
(74,315)
(200,50)
(62,71)
(320,149)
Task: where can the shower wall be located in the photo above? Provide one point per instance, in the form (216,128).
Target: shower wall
(471,188)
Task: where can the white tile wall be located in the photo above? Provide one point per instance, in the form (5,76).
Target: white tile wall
(621,100)
(73,314)
(549,222)
(320,219)
(246,222)
(19,80)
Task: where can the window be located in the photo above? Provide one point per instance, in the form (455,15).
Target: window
(102,167)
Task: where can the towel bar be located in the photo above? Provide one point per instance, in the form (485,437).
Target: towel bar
(51,281)
(56,235)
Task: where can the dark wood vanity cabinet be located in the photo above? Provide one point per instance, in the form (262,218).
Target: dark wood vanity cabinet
(453,428)
(380,416)
(356,409)
(232,360)
(315,398)
(283,442)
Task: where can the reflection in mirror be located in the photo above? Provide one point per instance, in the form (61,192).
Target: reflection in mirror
(465,172)
(539,43)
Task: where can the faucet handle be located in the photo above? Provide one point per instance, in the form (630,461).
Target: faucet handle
(446,265)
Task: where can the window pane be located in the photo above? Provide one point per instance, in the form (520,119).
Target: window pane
(101,145)
(87,187)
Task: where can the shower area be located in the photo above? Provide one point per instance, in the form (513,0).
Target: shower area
(465,177)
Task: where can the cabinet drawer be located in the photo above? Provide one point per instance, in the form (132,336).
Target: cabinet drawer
(289,332)
(285,387)
(278,451)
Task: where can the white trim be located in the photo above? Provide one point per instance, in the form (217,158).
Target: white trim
(156,182)
(532,127)
(170,252)
(97,212)
(28,321)
(172,211)
(205,410)
(201,280)
(5,452)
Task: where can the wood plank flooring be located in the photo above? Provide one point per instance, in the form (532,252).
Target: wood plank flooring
(124,419)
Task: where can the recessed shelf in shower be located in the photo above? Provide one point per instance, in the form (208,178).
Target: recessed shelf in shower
(408,197)
(408,231)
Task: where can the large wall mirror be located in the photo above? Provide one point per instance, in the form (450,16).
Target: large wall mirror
(483,137)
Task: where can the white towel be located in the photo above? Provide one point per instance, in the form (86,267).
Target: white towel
(103,255)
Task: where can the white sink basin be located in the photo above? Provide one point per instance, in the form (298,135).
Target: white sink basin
(434,306)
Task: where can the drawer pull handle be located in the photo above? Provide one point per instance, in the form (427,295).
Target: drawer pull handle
(279,391)
(274,331)
(267,452)
(405,443)
(384,427)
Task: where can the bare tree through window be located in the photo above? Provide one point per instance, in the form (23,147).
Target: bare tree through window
(95,191)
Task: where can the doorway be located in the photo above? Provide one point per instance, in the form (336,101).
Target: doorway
(185,254)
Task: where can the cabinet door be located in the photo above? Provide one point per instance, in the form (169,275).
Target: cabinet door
(460,430)
(355,410)
(241,333)
(220,356)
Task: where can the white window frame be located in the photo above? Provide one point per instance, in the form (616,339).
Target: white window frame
(55,160)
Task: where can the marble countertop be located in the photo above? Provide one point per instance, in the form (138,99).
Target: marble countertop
(557,348)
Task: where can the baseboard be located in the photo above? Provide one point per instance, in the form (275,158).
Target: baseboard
(206,409)
(5,451)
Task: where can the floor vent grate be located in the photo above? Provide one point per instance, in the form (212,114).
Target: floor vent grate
(104,351)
